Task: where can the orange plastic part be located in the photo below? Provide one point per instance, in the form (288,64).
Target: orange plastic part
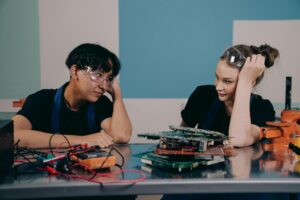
(97,163)
(19,103)
(280,134)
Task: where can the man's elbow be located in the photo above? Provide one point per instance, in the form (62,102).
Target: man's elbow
(19,138)
(123,138)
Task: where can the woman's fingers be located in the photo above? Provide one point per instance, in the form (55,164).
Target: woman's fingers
(253,68)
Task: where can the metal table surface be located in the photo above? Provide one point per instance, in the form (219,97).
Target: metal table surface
(251,170)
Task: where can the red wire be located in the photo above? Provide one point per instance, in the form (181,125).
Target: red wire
(87,168)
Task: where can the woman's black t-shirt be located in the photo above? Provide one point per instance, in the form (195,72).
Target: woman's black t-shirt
(200,104)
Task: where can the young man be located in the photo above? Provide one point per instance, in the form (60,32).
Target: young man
(79,109)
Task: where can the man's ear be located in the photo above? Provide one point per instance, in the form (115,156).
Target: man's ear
(73,72)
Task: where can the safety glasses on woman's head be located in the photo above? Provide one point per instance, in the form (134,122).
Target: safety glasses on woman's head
(235,57)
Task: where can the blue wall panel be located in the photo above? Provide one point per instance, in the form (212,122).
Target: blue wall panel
(169,47)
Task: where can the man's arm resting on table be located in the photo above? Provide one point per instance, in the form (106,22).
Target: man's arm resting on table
(118,126)
(26,137)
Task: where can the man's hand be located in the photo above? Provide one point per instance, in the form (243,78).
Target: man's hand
(115,89)
(101,139)
(118,125)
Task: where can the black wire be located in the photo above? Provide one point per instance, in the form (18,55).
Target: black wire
(50,139)
(120,154)
(102,164)
(68,160)
(108,155)
(294,148)
(123,175)
(67,140)
(29,162)
(50,147)
(17,143)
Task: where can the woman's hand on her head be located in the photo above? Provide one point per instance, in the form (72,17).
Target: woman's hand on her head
(253,68)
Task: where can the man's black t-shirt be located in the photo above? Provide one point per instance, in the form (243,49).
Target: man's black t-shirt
(38,110)
(201,101)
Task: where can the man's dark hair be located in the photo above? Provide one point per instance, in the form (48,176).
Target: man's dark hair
(94,56)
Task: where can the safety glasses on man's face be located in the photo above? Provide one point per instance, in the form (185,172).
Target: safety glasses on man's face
(235,57)
(98,76)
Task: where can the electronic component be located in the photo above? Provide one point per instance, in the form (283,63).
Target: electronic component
(187,139)
(209,152)
(186,148)
(198,132)
(288,92)
(177,163)
(95,159)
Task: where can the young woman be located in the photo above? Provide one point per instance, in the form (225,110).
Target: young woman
(229,106)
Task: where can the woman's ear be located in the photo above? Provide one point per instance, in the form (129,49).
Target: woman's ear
(73,72)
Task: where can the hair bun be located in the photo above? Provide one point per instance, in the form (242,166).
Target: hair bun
(269,53)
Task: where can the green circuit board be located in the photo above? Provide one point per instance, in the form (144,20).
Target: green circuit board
(177,163)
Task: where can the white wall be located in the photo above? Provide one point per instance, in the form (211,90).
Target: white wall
(68,23)
(285,36)
(153,115)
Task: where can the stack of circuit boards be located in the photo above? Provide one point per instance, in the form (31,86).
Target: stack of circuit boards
(185,148)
